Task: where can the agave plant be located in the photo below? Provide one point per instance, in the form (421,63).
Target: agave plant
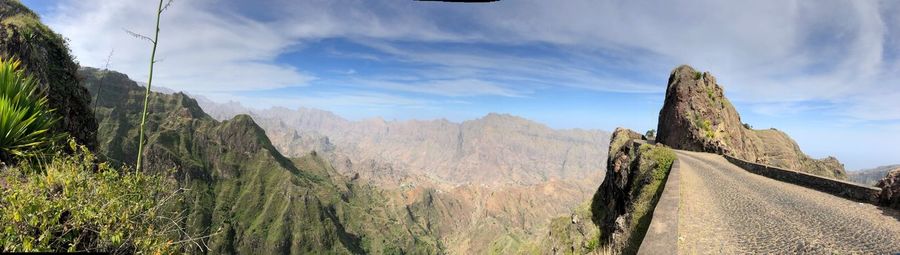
(25,118)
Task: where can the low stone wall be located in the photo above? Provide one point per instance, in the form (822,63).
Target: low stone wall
(836,187)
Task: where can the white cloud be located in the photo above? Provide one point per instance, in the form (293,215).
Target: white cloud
(200,49)
(778,52)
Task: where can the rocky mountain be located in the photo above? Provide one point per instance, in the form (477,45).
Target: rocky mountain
(489,184)
(696,116)
(46,57)
(871,176)
(240,192)
(890,189)
(493,150)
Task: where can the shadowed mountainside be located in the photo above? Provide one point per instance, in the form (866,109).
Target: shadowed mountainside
(696,116)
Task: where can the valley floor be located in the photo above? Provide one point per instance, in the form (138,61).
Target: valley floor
(726,210)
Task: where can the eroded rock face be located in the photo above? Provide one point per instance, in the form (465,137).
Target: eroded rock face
(890,189)
(696,116)
(612,204)
(612,194)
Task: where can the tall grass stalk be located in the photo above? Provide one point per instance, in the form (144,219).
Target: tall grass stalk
(100,84)
(159,11)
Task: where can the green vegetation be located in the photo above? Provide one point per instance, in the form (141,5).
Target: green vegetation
(25,118)
(697,75)
(73,204)
(579,237)
(654,167)
(243,194)
(45,57)
(706,125)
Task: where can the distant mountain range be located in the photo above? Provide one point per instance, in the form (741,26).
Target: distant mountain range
(490,183)
(871,176)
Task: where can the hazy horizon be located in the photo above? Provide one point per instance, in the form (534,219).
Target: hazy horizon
(827,73)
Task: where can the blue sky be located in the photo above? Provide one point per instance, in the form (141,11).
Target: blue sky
(826,72)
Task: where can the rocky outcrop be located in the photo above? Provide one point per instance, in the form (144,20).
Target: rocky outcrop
(610,199)
(624,202)
(696,116)
(46,57)
(890,189)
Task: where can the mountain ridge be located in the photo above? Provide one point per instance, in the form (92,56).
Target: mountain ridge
(241,191)
(490,184)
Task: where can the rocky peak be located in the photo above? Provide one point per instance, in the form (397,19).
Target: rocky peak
(697,116)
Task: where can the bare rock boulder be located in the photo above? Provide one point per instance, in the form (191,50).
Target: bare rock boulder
(890,189)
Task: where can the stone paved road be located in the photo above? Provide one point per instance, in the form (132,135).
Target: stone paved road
(726,210)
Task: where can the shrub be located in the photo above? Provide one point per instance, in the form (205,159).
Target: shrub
(706,125)
(75,204)
(651,134)
(25,118)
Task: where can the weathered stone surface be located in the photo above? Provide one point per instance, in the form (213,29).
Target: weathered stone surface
(696,116)
(890,189)
(623,204)
(46,57)
(612,195)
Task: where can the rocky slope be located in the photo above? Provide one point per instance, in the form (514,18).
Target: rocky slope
(623,204)
(696,116)
(241,191)
(490,184)
(46,57)
(890,189)
(871,176)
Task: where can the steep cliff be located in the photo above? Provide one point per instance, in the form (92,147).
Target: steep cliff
(45,56)
(623,204)
(696,116)
(241,192)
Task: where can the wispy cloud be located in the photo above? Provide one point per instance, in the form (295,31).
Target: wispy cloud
(201,48)
(773,52)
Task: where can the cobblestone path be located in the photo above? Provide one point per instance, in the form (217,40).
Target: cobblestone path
(726,210)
